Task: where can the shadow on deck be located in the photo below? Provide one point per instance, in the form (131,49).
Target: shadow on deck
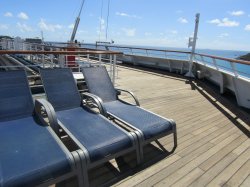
(234,113)
(213,136)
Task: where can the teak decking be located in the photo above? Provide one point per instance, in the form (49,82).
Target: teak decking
(213,137)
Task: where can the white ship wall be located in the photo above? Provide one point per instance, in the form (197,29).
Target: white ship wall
(240,86)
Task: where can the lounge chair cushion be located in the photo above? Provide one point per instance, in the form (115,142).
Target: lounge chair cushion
(99,83)
(150,124)
(29,155)
(94,132)
(61,88)
(15,98)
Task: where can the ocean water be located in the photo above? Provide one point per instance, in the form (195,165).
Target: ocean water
(243,70)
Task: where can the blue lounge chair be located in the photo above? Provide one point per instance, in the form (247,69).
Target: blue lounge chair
(99,138)
(147,125)
(31,154)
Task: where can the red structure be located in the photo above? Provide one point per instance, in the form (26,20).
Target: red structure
(71,59)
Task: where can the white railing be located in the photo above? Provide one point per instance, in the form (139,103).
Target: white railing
(47,56)
(238,68)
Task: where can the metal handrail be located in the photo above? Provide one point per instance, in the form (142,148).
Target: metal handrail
(185,52)
(151,49)
(225,59)
(232,62)
(60,52)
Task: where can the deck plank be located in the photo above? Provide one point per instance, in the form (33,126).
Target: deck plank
(228,172)
(240,175)
(212,147)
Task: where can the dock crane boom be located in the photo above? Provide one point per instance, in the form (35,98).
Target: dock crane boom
(76,24)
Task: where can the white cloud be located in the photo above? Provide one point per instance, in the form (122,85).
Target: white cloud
(215,21)
(82,31)
(121,14)
(23,27)
(247,27)
(174,32)
(48,27)
(179,11)
(71,26)
(23,15)
(182,20)
(223,35)
(101,26)
(8,14)
(127,15)
(148,34)
(102,23)
(225,22)
(129,31)
(3,27)
(237,13)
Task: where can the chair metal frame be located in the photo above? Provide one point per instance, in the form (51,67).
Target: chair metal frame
(84,155)
(138,132)
(74,157)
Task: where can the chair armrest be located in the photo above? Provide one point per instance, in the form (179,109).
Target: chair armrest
(97,101)
(131,93)
(44,109)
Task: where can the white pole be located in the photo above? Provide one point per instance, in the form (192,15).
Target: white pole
(190,73)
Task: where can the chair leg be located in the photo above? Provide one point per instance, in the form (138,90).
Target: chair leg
(140,141)
(84,170)
(175,139)
(141,152)
(85,177)
(78,167)
(137,150)
(138,156)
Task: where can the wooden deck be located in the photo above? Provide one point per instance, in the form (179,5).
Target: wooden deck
(213,137)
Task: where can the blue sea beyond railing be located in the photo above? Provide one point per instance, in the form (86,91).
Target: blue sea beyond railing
(243,70)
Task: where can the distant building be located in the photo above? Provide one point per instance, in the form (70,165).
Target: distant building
(33,40)
(18,43)
(5,37)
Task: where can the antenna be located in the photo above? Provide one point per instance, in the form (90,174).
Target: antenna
(100,29)
(76,24)
(107,21)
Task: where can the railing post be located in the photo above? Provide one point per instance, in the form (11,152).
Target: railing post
(88,58)
(166,56)
(202,59)
(79,64)
(43,57)
(215,64)
(62,60)
(100,59)
(51,57)
(114,69)
(110,67)
(36,57)
(234,69)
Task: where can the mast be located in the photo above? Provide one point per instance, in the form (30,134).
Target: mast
(192,42)
(76,24)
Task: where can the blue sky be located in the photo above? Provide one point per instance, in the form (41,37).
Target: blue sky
(224,24)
